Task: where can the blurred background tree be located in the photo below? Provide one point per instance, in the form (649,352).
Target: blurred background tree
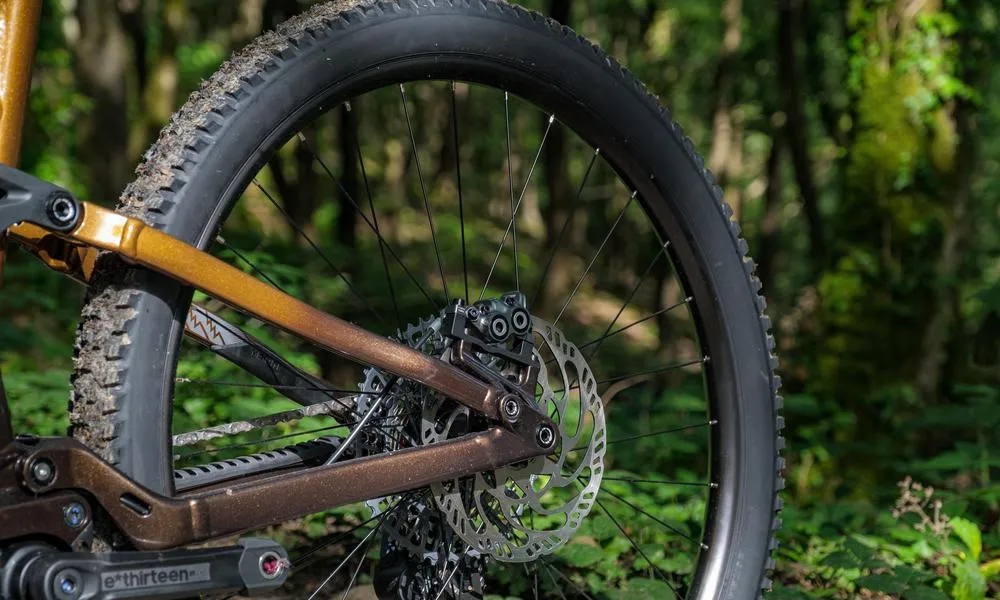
(858,142)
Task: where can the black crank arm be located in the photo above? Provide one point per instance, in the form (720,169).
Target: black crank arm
(255,565)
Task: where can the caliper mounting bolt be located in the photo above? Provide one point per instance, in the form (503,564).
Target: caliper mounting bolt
(546,436)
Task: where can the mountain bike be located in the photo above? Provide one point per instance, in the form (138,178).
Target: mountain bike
(512,423)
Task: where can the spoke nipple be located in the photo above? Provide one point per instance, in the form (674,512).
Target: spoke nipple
(552,119)
(634,194)
(706,359)
(714,485)
(347,105)
(597,151)
(704,546)
(713,422)
(545,436)
(689,299)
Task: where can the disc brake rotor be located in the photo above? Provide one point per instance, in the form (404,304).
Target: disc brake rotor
(514,514)
(520,512)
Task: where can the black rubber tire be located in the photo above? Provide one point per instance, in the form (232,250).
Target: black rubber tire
(133,319)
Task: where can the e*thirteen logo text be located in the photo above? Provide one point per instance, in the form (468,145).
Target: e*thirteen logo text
(130,579)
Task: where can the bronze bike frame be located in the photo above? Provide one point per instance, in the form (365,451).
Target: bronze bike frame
(153,521)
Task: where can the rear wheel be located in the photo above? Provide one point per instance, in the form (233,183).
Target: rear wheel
(358,143)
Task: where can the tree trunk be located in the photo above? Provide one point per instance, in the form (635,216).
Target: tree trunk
(160,91)
(347,218)
(796,127)
(101,61)
(956,239)
(725,159)
(767,246)
(723,129)
(556,282)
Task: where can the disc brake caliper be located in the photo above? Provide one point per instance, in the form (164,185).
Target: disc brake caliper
(501,328)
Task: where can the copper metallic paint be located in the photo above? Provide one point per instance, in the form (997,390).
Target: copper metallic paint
(173,522)
(18,34)
(131,238)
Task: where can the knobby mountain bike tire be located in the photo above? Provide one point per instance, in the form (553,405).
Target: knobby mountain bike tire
(210,154)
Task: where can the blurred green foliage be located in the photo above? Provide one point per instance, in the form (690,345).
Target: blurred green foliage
(874,217)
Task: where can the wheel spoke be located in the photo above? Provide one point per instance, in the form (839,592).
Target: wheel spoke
(364,543)
(660,481)
(354,575)
(378,233)
(458,177)
(340,274)
(654,518)
(510,180)
(555,584)
(672,367)
(662,432)
(564,577)
(303,560)
(590,265)
(628,299)
(637,548)
(517,206)
(444,584)
(606,335)
(565,227)
(248,262)
(423,191)
(353,202)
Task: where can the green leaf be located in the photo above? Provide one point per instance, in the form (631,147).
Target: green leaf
(787,593)
(968,532)
(863,552)
(990,569)
(887,583)
(910,575)
(581,555)
(643,589)
(841,560)
(923,592)
(969,582)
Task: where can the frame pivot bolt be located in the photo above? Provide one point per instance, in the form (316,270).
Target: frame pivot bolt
(43,471)
(74,514)
(545,436)
(62,210)
(511,408)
